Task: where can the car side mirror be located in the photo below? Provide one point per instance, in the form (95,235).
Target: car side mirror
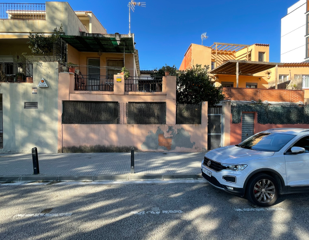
(297,150)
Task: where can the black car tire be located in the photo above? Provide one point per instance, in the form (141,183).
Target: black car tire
(262,190)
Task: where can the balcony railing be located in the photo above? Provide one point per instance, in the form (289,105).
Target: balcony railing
(136,84)
(25,11)
(14,78)
(94,83)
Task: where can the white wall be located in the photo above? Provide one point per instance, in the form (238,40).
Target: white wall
(293,31)
(24,129)
(296,5)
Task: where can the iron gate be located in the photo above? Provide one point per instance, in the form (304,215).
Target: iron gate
(215,127)
(247,125)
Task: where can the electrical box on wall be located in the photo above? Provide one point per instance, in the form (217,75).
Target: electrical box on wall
(43,83)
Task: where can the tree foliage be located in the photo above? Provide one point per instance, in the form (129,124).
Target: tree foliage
(159,73)
(46,45)
(194,86)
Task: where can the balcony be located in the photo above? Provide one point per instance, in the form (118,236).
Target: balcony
(23,11)
(106,83)
(136,84)
(94,83)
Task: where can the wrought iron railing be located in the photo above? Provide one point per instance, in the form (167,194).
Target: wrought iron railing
(136,84)
(23,11)
(94,83)
(15,78)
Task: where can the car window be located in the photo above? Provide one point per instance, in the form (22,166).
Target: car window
(304,143)
(271,142)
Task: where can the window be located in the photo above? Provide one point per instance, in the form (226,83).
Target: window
(146,113)
(8,68)
(227,84)
(212,65)
(251,85)
(305,81)
(87,112)
(304,143)
(267,142)
(261,56)
(284,78)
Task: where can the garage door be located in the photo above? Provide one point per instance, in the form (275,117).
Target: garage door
(247,125)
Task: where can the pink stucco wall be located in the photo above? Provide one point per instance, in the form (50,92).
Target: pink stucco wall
(168,137)
(236,129)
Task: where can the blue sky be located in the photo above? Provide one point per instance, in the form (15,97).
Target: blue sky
(165,28)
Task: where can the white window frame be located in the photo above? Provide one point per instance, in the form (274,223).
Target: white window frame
(303,80)
(281,77)
(251,84)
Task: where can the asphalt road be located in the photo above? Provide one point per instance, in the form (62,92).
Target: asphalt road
(153,210)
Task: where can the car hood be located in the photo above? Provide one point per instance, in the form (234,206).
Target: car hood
(233,154)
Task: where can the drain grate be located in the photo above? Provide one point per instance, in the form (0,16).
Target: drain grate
(47,210)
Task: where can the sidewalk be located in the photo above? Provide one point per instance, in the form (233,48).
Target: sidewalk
(101,166)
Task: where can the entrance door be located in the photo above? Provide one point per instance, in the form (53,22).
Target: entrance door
(93,78)
(297,165)
(114,67)
(214,127)
(247,125)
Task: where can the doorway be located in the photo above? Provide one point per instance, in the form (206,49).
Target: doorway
(214,127)
(93,78)
(247,125)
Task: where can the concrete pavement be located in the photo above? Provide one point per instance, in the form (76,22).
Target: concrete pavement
(145,211)
(101,166)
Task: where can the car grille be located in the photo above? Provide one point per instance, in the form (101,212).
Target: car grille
(214,165)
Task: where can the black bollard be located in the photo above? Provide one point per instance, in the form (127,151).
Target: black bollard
(132,160)
(35,161)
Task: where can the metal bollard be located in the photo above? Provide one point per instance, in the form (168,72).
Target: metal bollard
(132,160)
(35,161)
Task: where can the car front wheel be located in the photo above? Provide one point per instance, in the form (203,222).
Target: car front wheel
(262,190)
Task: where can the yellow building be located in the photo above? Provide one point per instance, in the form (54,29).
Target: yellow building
(87,43)
(245,66)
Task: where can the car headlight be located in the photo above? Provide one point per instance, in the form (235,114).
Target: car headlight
(235,167)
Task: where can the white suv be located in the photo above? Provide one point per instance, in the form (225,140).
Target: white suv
(263,166)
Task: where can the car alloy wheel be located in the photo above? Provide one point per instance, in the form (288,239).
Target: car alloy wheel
(264,191)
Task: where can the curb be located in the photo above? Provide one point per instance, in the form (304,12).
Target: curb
(122,177)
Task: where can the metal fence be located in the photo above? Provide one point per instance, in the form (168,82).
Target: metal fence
(77,112)
(23,11)
(93,83)
(189,114)
(136,84)
(146,113)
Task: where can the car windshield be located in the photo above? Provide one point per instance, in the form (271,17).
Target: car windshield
(270,142)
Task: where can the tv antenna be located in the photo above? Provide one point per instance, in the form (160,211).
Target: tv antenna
(131,6)
(204,36)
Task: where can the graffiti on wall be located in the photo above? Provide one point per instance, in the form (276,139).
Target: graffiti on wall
(169,141)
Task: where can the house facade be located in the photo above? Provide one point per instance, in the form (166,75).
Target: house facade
(90,106)
(246,66)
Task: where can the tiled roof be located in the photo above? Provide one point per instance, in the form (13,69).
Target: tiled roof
(302,64)
(262,44)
